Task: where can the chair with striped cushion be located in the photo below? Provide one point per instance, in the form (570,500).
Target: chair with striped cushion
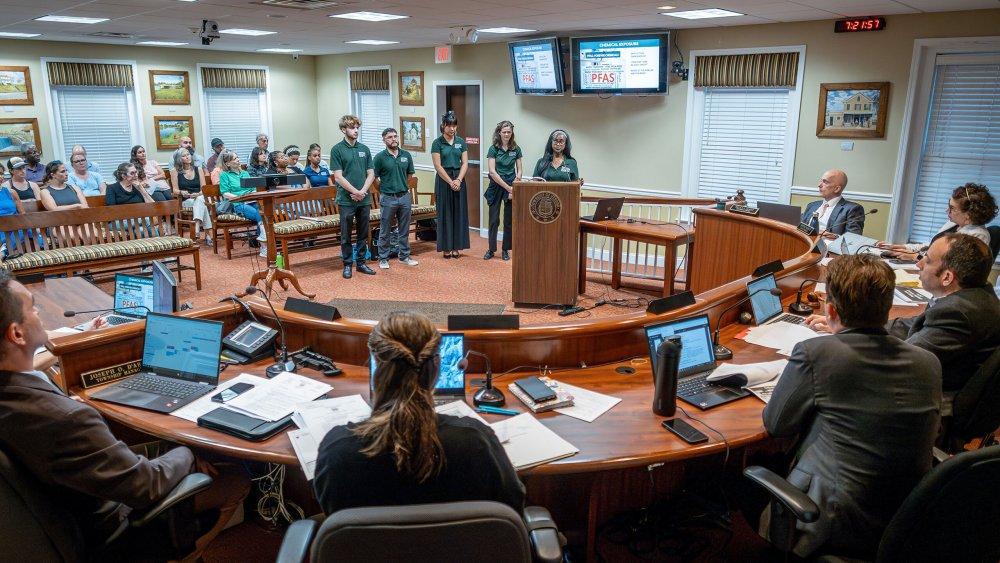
(227,223)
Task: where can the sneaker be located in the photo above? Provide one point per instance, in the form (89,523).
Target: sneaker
(409,262)
(263,251)
(384,264)
(262,236)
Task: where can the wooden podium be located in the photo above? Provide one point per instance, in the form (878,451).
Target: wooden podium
(265,201)
(546,226)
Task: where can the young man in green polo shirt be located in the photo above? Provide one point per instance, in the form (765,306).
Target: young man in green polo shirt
(351,163)
(393,167)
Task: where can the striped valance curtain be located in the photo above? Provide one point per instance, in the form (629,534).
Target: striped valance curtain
(370,80)
(757,70)
(90,74)
(242,78)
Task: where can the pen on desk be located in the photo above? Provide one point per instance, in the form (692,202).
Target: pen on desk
(496,410)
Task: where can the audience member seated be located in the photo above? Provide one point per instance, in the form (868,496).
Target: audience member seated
(197,159)
(155,177)
(10,204)
(146,186)
(833,214)
(406,453)
(262,143)
(188,182)
(293,154)
(217,147)
(127,189)
(258,162)
(25,190)
(865,405)
(279,163)
(80,150)
(68,447)
(317,173)
(89,182)
(230,188)
(216,172)
(970,208)
(35,171)
(58,193)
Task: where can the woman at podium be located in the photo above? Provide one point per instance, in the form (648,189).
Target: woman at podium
(451,162)
(504,161)
(558,164)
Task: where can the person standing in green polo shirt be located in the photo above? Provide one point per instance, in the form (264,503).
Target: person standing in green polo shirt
(451,161)
(351,163)
(393,168)
(504,159)
(558,164)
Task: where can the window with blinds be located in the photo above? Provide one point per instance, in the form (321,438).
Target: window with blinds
(374,108)
(742,146)
(102,119)
(236,116)
(962,138)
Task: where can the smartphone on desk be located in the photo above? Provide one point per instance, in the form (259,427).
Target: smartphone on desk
(536,389)
(231,393)
(684,431)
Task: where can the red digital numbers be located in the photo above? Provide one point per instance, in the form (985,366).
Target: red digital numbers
(875,23)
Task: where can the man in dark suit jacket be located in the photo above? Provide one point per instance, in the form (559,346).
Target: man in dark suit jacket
(833,213)
(67,446)
(866,406)
(961,325)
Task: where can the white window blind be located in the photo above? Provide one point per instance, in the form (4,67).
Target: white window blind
(100,119)
(375,111)
(742,145)
(236,116)
(962,138)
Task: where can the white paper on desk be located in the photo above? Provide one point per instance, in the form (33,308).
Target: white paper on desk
(461,408)
(826,261)
(756,374)
(849,243)
(278,397)
(587,405)
(780,336)
(306,449)
(530,442)
(205,404)
(764,390)
(820,288)
(318,417)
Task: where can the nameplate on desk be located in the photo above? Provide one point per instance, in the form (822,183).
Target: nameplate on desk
(101,376)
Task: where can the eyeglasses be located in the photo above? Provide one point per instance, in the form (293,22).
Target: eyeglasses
(79,160)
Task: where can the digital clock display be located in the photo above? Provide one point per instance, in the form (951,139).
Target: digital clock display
(872,23)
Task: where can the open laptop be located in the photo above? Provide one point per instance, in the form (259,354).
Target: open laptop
(696,363)
(180,363)
(450,384)
(790,214)
(158,293)
(766,307)
(608,209)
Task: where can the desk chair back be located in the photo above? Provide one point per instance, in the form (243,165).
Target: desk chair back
(976,408)
(994,231)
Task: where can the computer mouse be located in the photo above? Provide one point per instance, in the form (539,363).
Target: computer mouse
(732,380)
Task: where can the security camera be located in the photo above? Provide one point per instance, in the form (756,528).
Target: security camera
(295,56)
(209,31)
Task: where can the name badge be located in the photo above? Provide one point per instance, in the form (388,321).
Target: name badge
(512,153)
(564,168)
(458,146)
(404,159)
(361,154)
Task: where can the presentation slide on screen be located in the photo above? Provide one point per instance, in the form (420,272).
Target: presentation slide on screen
(695,342)
(628,64)
(183,346)
(535,66)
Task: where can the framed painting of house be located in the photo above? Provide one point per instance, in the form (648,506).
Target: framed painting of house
(852,110)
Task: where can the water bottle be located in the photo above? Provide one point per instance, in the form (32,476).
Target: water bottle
(279,261)
(668,357)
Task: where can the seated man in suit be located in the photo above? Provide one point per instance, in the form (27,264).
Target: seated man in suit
(69,448)
(961,325)
(833,214)
(866,406)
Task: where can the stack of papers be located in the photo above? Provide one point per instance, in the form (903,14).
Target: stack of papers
(277,398)
(315,419)
(780,336)
(587,405)
(205,404)
(761,377)
(530,443)
(907,279)
(911,296)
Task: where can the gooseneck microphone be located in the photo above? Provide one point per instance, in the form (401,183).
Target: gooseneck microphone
(487,395)
(721,352)
(112,309)
(285,364)
(800,308)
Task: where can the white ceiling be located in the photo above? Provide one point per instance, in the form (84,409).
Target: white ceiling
(429,22)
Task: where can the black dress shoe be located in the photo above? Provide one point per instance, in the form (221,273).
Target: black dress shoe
(365,269)
(505,255)
(347,272)
(489,254)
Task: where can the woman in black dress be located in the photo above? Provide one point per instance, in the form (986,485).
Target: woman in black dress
(451,162)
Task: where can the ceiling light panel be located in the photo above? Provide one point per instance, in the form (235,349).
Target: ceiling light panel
(505,30)
(369,16)
(70,19)
(703,14)
(372,42)
(250,32)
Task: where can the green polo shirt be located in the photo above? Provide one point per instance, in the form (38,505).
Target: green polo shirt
(392,171)
(354,162)
(506,160)
(567,171)
(451,154)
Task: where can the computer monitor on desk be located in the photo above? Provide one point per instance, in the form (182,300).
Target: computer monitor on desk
(255,182)
(450,384)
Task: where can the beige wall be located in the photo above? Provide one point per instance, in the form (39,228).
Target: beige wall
(293,87)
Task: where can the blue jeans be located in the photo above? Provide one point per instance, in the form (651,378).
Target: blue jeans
(397,206)
(248,211)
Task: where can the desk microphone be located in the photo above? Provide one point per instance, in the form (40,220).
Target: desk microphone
(285,364)
(112,309)
(721,352)
(846,221)
(487,395)
(800,308)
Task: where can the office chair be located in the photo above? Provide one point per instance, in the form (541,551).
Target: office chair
(35,527)
(951,515)
(454,531)
(994,231)
(976,407)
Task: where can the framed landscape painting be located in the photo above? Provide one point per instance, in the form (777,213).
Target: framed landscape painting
(411,133)
(169,87)
(15,86)
(169,131)
(853,110)
(14,131)
(411,88)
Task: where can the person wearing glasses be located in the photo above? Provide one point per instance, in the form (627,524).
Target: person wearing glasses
(127,189)
(558,164)
(82,151)
(89,182)
(970,208)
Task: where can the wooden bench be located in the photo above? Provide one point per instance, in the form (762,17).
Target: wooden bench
(309,217)
(69,241)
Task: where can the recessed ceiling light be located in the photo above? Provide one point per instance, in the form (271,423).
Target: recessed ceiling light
(703,14)
(163,43)
(251,32)
(505,30)
(368,16)
(279,50)
(371,42)
(16,34)
(70,19)
(666,7)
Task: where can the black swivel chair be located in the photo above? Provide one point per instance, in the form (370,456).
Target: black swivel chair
(976,407)
(454,531)
(951,515)
(35,527)
(994,231)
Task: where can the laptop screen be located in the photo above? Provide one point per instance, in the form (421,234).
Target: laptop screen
(131,292)
(182,347)
(697,353)
(764,305)
(451,378)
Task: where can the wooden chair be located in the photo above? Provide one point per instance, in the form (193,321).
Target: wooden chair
(227,223)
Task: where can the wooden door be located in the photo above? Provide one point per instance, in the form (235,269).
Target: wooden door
(464,101)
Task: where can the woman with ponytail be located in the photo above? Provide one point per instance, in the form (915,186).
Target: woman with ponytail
(406,453)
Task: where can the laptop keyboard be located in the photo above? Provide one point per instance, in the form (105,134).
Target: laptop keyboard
(115,320)
(693,385)
(150,383)
(790,318)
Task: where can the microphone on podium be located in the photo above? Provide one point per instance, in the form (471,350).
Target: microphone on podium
(109,310)
(800,308)
(487,394)
(721,352)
